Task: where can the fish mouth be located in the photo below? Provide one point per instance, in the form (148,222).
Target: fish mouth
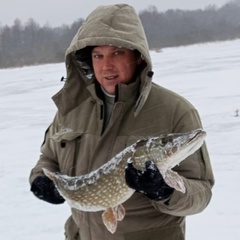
(197,133)
(196,138)
(179,146)
(188,139)
(186,144)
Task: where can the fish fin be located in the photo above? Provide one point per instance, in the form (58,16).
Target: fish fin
(109,218)
(120,212)
(174,180)
(49,174)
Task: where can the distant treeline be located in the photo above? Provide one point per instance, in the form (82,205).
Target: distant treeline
(31,44)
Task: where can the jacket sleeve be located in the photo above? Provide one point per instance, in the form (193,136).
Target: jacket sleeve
(48,157)
(196,172)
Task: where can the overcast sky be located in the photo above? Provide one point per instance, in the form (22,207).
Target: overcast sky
(58,12)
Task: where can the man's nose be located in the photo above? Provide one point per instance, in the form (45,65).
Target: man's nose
(107,63)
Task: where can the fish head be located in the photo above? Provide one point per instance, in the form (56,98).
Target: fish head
(169,150)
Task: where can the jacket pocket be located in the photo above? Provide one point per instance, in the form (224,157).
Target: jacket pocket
(68,146)
(65,134)
(163,233)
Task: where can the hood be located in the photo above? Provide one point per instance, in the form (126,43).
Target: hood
(117,25)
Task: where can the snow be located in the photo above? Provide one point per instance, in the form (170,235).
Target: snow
(208,75)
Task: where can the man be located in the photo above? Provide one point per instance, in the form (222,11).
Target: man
(108,102)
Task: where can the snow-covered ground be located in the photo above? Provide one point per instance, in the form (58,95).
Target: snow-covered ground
(208,75)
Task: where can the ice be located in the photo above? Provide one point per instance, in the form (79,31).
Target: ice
(208,75)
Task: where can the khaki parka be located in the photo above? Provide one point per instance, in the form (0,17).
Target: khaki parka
(76,144)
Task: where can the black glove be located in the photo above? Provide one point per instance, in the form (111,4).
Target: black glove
(44,188)
(150,182)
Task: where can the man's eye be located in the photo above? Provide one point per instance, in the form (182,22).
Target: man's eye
(118,53)
(96,56)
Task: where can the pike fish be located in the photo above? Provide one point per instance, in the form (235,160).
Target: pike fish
(105,189)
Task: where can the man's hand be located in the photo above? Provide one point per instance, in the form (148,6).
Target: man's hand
(43,188)
(150,182)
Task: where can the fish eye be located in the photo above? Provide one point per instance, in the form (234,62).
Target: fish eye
(165,140)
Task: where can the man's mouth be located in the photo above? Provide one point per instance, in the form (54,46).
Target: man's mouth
(110,77)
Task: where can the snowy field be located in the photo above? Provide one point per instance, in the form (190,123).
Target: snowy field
(208,75)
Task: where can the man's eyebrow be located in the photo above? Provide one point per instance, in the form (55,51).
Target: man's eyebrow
(113,49)
(95,51)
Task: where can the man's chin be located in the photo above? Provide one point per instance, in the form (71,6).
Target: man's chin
(109,90)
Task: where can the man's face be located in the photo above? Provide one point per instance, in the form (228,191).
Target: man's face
(113,65)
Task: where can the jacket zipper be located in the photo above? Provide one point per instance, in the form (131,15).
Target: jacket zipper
(76,152)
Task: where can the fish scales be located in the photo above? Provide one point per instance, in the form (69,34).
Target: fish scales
(100,189)
(105,189)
